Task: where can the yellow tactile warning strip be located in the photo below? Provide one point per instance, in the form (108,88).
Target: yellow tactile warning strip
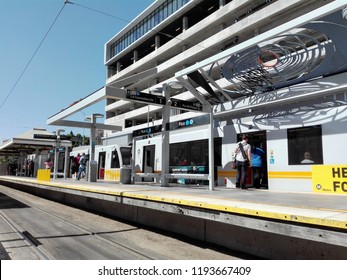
(306,215)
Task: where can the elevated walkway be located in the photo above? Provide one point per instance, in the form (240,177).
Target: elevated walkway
(269,224)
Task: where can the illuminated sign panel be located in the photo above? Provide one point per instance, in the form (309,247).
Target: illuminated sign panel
(201,120)
(147,131)
(329,179)
(189,105)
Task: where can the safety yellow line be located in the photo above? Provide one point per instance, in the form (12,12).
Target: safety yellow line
(245,211)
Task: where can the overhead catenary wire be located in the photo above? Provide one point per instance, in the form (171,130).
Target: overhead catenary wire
(32,57)
(42,41)
(50,28)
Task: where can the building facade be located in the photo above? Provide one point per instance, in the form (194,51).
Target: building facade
(172,35)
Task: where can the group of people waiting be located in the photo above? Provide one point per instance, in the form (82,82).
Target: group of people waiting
(247,156)
(78,166)
(253,156)
(27,169)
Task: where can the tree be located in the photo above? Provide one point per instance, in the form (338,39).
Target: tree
(78,140)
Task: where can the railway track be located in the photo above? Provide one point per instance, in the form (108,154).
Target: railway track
(39,249)
(43,229)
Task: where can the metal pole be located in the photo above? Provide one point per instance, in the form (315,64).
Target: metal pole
(36,162)
(165,147)
(91,171)
(211,152)
(21,163)
(56,153)
(133,158)
(67,152)
(92,147)
(55,164)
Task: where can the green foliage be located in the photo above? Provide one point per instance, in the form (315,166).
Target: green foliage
(78,140)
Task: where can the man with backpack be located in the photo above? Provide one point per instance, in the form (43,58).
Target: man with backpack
(243,161)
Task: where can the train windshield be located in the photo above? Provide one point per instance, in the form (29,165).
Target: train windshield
(126,155)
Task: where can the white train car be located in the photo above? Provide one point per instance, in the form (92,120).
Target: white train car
(283,166)
(110,160)
(294,121)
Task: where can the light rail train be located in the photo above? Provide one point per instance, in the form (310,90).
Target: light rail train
(109,159)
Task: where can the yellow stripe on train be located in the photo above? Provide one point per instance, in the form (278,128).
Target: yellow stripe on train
(290,174)
(273,174)
(112,175)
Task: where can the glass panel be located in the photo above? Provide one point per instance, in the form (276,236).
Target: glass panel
(179,154)
(115,160)
(156,17)
(126,155)
(305,145)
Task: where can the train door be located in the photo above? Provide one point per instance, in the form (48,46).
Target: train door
(258,139)
(148,161)
(101,165)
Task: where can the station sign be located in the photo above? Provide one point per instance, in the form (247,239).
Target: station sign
(145,97)
(184,104)
(329,179)
(201,120)
(45,136)
(60,149)
(147,131)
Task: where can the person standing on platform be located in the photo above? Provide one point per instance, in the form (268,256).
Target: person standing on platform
(74,167)
(243,161)
(31,168)
(78,158)
(307,158)
(257,165)
(49,164)
(82,166)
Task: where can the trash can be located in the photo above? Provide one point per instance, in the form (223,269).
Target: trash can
(125,175)
(93,170)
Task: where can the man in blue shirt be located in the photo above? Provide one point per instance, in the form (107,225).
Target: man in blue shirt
(82,166)
(257,165)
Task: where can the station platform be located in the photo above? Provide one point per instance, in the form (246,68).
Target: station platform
(307,217)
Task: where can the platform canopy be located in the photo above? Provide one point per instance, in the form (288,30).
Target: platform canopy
(28,143)
(304,49)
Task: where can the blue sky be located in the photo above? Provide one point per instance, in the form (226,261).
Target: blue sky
(69,64)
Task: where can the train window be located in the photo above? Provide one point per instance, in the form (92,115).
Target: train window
(305,145)
(218,151)
(179,154)
(126,155)
(115,160)
(194,153)
(199,153)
